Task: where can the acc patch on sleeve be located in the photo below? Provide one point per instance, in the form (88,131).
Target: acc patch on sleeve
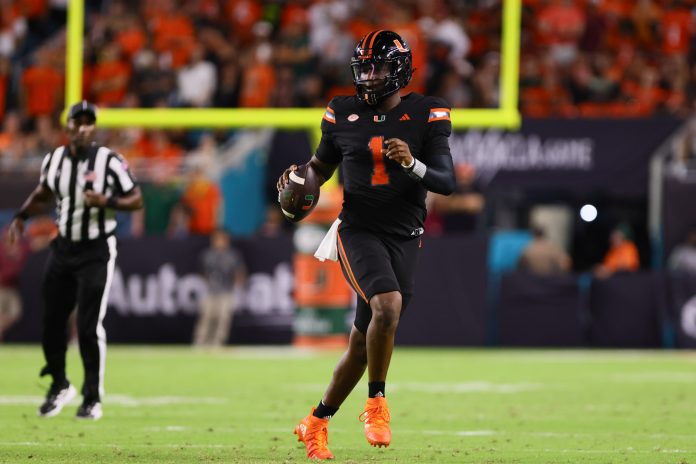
(329,115)
(439,114)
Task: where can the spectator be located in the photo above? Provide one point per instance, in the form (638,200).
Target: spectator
(110,77)
(242,15)
(274,224)
(683,257)
(328,36)
(197,81)
(160,197)
(173,32)
(227,93)
(11,141)
(560,26)
(202,203)
(258,78)
(683,156)
(12,258)
(152,82)
(225,272)
(543,257)
(292,49)
(622,254)
(676,29)
(42,88)
(444,28)
(13,28)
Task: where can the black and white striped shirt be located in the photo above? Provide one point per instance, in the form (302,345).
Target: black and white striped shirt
(68,176)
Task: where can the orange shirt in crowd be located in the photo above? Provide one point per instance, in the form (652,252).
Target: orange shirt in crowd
(131,40)
(174,34)
(43,89)
(623,257)
(560,24)
(202,200)
(257,88)
(33,8)
(110,82)
(242,15)
(676,31)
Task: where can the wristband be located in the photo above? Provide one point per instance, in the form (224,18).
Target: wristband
(418,170)
(21,215)
(413,161)
(111,203)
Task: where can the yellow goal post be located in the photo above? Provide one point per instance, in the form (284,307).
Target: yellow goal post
(505,116)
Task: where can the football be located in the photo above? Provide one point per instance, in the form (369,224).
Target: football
(300,196)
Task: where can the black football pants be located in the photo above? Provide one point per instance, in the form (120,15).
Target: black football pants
(78,276)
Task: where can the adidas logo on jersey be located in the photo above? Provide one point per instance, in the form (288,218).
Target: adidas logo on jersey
(405,117)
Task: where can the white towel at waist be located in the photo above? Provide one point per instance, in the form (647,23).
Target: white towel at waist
(328,248)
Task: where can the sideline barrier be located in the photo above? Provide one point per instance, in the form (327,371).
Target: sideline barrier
(156,289)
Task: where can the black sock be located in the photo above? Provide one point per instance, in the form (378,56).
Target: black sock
(376,389)
(324,412)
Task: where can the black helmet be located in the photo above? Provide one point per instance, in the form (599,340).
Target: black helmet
(377,50)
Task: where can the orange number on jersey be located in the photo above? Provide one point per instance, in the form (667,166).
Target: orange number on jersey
(379,171)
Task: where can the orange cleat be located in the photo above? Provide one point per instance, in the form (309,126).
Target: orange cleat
(314,433)
(376,418)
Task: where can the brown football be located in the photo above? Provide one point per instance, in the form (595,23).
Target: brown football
(300,196)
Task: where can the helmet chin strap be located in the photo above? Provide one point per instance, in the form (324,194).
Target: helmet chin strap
(373,100)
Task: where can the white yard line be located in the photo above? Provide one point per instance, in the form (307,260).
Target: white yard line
(119,400)
(396,446)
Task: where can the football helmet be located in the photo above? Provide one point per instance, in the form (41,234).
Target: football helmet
(380,55)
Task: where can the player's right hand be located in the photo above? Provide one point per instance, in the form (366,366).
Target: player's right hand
(285,177)
(15,231)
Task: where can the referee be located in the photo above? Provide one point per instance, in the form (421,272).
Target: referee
(88,182)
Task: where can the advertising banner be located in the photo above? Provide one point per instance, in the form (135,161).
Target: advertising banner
(156,290)
(448,307)
(573,155)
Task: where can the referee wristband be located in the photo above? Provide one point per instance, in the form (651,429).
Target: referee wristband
(111,203)
(21,215)
(418,170)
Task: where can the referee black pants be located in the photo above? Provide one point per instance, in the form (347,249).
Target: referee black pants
(78,276)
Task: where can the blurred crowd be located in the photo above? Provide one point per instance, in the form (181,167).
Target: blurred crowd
(578,58)
(226,53)
(619,58)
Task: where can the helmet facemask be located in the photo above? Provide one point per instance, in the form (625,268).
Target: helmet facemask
(392,67)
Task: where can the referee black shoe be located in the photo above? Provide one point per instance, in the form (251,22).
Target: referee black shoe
(89,410)
(57,397)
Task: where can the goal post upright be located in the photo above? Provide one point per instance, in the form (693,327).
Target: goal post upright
(505,116)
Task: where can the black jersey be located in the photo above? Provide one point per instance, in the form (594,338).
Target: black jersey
(378,193)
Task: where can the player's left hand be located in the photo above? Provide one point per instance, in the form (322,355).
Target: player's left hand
(94,199)
(397,150)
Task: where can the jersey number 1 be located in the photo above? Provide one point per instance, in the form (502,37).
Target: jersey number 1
(379,171)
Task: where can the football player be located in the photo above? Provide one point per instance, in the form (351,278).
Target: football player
(393,148)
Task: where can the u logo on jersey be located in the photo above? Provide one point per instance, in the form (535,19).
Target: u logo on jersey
(379,118)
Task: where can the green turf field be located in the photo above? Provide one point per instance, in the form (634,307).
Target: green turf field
(239,405)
